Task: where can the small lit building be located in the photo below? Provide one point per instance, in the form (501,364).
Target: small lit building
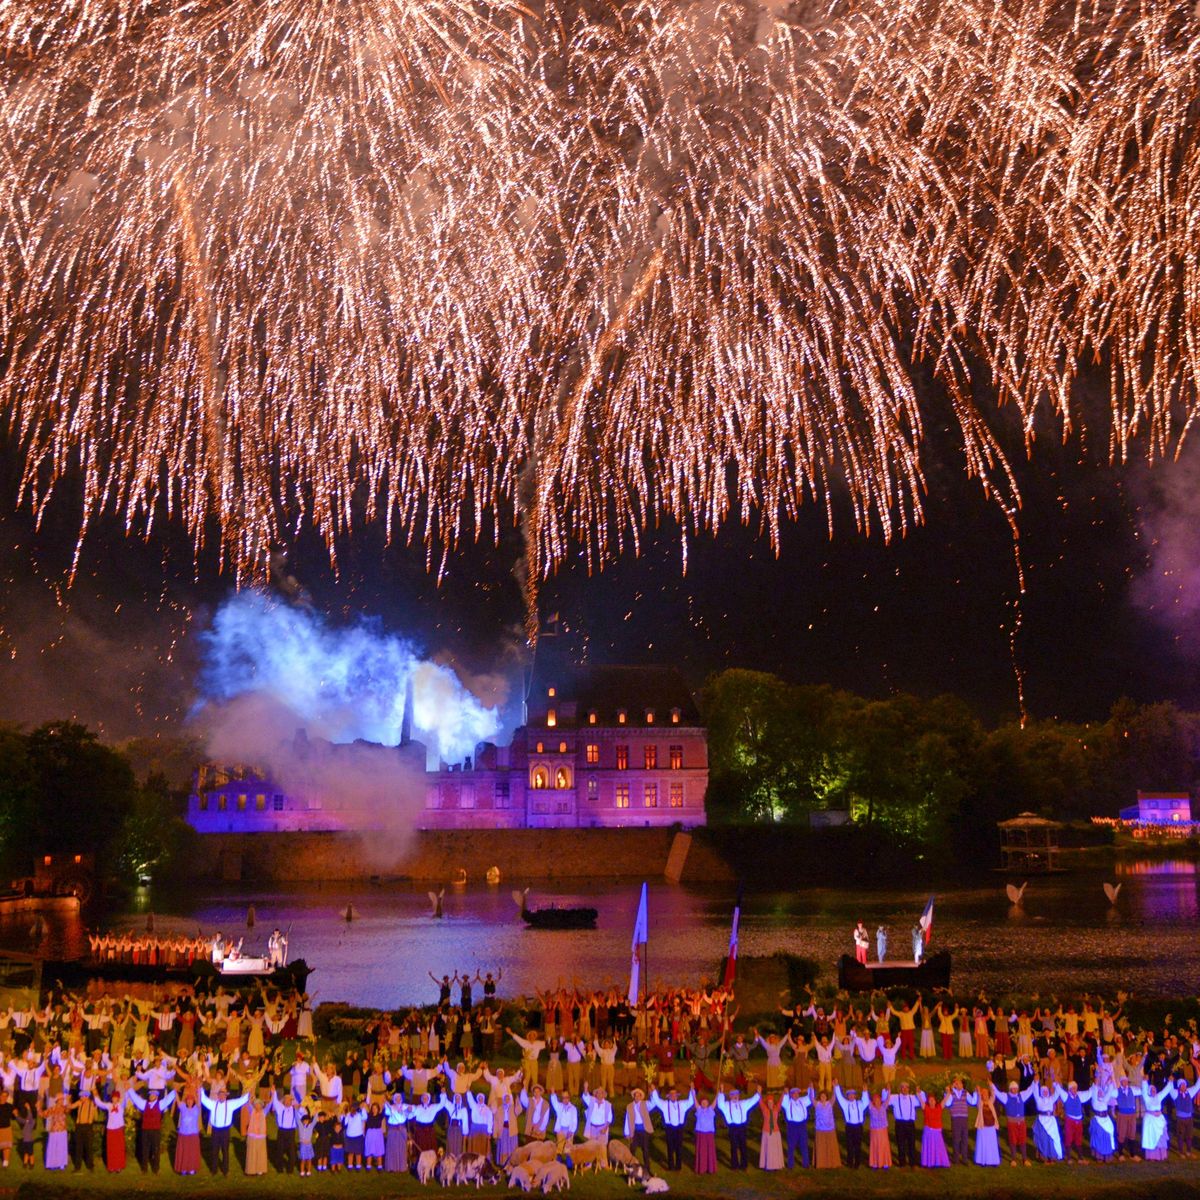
(64,875)
(1159,808)
(1029,844)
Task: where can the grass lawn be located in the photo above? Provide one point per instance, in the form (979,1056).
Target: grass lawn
(1118,1182)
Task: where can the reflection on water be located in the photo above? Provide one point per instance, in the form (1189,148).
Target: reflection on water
(1065,936)
(1156,866)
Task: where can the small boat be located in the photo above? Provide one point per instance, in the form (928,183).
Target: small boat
(931,972)
(552,916)
(202,974)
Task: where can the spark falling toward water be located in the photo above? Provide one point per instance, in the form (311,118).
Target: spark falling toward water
(264,266)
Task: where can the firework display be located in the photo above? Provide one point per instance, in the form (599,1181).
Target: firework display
(453,265)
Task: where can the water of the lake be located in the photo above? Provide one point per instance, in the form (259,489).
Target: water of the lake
(1065,937)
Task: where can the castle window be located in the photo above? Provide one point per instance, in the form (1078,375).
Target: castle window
(622,758)
(622,795)
(677,795)
(204,802)
(651,795)
(674,716)
(562,778)
(551,692)
(562,747)
(621,716)
(551,718)
(676,758)
(539,779)
(592,754)
(260,802)
(650,757)
(501,793)
(649,716)
(278,803)
(593,789)
(241,802)
(592,717)
(541,747)
(222,801)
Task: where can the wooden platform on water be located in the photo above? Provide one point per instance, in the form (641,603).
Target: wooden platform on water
(24,904)
(931,972)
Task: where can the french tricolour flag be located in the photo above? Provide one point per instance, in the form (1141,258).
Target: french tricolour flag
(926,921)
(731,960)
(641,935)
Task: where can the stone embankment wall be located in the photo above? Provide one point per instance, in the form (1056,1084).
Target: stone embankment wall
(436,856)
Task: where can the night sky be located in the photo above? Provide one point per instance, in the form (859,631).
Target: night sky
(1108,553)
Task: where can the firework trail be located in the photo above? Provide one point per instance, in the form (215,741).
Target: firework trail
(333,262)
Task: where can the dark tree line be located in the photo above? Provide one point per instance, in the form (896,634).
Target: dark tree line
(927,772)
(63,790)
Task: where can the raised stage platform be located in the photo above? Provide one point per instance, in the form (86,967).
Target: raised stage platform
(931,972)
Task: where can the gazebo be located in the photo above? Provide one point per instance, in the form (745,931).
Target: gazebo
(1029,844)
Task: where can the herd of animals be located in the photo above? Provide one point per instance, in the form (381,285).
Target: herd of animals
(537,1166)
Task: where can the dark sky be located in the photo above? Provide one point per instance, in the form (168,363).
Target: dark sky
(928,613)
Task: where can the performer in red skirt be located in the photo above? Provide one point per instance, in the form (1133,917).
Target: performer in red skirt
(706,1137)
(114,1131)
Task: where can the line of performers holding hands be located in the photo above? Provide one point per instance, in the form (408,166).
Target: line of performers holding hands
(483,1113)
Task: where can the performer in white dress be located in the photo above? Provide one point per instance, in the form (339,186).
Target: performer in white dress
(1046,1134)
(1155,1137)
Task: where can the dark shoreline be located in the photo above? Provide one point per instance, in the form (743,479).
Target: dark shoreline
(759,858)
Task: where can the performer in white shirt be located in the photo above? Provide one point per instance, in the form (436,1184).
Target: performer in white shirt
(796,1106)
(566,1121)
(674,1112)
(599,1114)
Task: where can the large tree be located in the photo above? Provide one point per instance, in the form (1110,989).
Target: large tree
(82,791)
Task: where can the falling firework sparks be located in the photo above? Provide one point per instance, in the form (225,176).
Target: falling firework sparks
(328,263)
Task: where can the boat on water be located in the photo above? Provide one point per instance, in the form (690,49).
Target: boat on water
(931,972)
(201,974)
(554,916)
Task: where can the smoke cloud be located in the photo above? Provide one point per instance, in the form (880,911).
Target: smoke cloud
(343,684)
(320,710)
(360,787)
(1169,519)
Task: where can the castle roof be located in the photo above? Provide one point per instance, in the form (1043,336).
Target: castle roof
(609,690)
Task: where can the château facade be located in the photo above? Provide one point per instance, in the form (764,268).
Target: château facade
(601,747)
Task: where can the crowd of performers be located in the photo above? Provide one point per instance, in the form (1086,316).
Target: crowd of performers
(177,950)
(674,1082)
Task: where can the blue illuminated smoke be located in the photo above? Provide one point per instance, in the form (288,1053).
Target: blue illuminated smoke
(341,683)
